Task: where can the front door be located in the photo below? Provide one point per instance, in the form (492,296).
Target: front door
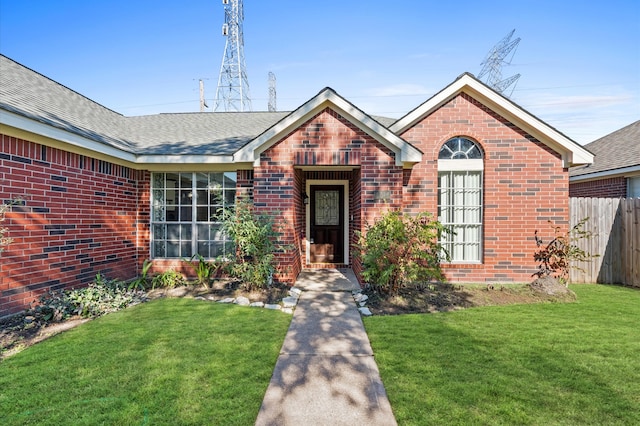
(327,224)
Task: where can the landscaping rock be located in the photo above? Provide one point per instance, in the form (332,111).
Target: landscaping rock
(289,302)
(360,297)
(177,292)
(295,292)
(549,286)
(272,306)
(257,305)
(287,310)
(365,311)
(242,301)
(227,300)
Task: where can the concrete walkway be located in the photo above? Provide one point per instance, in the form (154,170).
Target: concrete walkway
(326,374)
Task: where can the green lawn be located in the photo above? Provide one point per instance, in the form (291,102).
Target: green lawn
(547,364)
(171,361)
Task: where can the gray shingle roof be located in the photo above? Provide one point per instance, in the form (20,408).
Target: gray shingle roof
(614,151)
(32,95)
(27,93)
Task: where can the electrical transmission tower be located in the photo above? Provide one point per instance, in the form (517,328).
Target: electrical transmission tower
(232,93)
(496,58)
(272,92)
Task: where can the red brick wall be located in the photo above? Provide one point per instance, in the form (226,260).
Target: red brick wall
(77,218)
(525,185)
(604,188)
(325,140)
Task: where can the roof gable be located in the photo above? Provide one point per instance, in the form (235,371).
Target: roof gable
(405,153)
(572,153)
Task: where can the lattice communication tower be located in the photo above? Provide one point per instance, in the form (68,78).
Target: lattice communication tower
(232,93)
(272,92)
(495,60)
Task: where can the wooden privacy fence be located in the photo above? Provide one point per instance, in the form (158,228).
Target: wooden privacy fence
(615,227)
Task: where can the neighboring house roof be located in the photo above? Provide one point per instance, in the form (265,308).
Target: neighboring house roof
(617,153)
(572,153)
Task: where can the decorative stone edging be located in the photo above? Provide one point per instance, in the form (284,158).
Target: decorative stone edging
(286,306)
(361,301)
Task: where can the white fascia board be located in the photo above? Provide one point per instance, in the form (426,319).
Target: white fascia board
(625,171)
(188,159)
(48,131)
(404,152)
(429,106)
(572,153)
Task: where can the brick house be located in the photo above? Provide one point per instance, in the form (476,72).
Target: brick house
(615,171)
(102,192)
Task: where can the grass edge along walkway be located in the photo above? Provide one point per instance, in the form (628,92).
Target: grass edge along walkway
(542,364)
(170,361)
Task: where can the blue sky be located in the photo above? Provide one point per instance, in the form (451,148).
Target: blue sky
(579,61)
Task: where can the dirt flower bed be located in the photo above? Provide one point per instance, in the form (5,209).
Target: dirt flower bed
(448,297)
(20,331)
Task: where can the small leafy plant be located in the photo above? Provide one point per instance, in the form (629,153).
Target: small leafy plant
(4,207)
(168,279)
(100,297)
(555,257)
(141,282)
(255,236)
(205,270)
(400,250)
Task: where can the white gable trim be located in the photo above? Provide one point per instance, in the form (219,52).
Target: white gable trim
(572,153)
(404,152)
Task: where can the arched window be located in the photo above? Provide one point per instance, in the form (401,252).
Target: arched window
(460,167)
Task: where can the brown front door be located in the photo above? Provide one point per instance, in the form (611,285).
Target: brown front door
(327,224)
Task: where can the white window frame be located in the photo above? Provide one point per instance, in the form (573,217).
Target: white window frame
(633,186)
(452,167)
(160,224)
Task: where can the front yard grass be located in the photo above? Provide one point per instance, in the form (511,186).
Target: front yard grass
(541,364)
(170,361)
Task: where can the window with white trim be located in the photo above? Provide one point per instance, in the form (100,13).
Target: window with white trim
(460,167)
(185,213)
(633,190)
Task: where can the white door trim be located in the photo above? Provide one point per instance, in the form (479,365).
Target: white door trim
(343,183)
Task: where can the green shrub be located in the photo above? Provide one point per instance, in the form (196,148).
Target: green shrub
(205,270)
(254,236)
(100,297)
(142,281)
(400,250)
(168,279)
